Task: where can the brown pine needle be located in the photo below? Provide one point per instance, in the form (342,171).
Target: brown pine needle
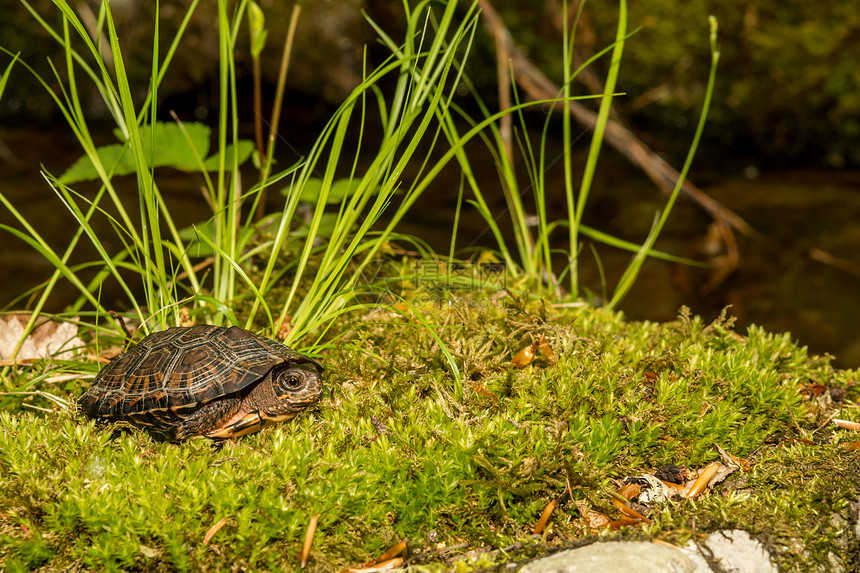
(213,530)
(388,563)
(629,511)
(391,553)
(623,522)
(309,539)
(847,424)
(541,524)
(702,481)
(665,543)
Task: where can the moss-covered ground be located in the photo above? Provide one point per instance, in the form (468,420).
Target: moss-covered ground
(399,450)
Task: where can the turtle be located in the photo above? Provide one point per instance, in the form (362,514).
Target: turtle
(203,380)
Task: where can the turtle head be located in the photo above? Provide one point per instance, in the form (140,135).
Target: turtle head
(294,387)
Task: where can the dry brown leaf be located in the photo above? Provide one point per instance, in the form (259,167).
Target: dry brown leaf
(592,518)
(524,357)
(47,339)
(813,389)
(629,490)
(596,519)
(732,460)
(547,350)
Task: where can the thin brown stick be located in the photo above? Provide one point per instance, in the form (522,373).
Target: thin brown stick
(503,78)
(258,110)
(282,75)
(727,265)
(834,261)
(538,86)
(279,99)
(118,317)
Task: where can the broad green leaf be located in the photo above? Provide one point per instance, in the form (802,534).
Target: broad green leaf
(340,188)
(166,146)
(328,222)
(171,149)
(171,146)
(245,148)
(116,158)
(191,237)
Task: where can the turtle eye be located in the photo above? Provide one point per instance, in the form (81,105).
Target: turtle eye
(291,380)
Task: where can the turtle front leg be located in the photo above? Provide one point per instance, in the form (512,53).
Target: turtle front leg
(210,418)
(248,424)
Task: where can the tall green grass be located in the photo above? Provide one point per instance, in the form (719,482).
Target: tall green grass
(327,269)
(531,253)
(323,264)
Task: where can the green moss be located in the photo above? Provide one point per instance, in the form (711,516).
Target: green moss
(389,454)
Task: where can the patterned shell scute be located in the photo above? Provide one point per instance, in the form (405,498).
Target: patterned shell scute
(183,366)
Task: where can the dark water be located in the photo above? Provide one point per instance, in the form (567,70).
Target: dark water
(799,271)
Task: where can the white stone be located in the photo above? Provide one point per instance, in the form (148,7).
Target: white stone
(615,557)
(736,551)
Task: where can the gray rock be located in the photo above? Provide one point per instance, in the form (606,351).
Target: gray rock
(731,551)
(736,551)
(616,557)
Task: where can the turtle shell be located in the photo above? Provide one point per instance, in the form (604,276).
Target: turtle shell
(181,368)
